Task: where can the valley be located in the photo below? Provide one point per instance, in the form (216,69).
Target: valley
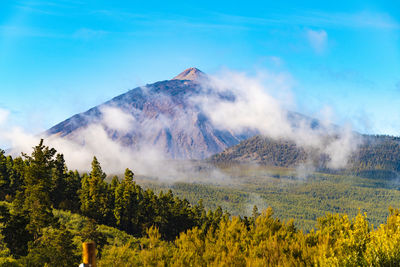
(238,188)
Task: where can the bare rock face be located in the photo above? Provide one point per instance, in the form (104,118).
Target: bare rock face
(159,115)
(191,74)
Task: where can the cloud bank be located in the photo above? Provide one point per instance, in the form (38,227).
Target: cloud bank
(255,108)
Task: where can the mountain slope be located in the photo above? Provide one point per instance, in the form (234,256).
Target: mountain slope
(263,150)
(376,156)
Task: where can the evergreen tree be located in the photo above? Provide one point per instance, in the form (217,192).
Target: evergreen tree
(13,228)
(126,203)
(71,200)
(17,172)
(119,204)
(59,181)
(114,182)
(4,176)
(37,203)
(94,194)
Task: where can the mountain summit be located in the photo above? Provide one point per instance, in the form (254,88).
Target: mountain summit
(191,74)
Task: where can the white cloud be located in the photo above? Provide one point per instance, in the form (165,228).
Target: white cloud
(117,119)
(3,115)
(317,39)
(253,106)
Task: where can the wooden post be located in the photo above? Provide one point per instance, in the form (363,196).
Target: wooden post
(89,254)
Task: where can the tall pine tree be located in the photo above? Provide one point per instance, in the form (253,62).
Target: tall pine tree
(59,181)
(38,182)
(126,204)
(4,176)
(94,194)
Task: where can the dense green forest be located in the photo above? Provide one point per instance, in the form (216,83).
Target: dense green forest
(34,186)
(376,156)
(47,211)
(291,194)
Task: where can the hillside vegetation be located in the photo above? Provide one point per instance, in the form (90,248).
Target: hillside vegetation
(291,193)
(47,211)
(377,156)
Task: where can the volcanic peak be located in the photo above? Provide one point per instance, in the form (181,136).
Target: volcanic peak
(191,74)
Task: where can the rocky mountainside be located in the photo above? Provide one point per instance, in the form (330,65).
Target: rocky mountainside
(159,115)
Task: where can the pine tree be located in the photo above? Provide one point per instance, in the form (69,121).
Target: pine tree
(4,176)
(17,172)
(94,194)
(72,186)
(38,184)
(119,204)
(59,183)
(125,202)
(114,182)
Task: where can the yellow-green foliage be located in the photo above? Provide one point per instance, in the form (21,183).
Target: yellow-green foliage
(384,245)
(338,241)
(152,252)
(76,223)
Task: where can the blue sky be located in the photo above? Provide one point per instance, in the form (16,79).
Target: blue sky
(58,58)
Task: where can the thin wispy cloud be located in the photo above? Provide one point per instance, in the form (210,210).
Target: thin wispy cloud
(161,19)
(47,8)
(277,61)
(317,39)
(25,31)
(362,19)
(51,4)
(208,21)
(148,24)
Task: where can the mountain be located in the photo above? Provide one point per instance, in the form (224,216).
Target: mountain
(160,115)
(377,156)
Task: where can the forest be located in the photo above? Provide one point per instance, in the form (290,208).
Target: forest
(47,211)
(376,156)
